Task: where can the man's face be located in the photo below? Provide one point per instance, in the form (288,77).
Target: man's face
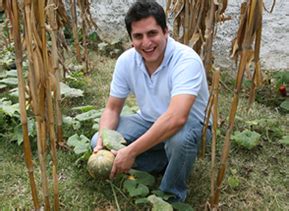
(149,40)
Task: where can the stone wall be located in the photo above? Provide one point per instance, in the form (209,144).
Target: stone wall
(109,15)
(275,36)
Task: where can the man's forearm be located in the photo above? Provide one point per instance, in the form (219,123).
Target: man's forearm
(109,119)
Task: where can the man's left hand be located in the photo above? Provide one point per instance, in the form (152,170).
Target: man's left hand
(122,163)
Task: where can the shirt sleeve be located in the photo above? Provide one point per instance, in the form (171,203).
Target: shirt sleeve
(187,77)
(119,85)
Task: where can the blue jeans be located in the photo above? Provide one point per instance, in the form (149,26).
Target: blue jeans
(176,155)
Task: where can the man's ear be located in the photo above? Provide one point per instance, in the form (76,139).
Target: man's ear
(132,45)
(166,32)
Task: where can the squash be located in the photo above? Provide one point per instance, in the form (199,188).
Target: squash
(99,164)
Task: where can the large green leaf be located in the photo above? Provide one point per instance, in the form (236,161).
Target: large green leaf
(285,105)
(135,189)
(8,108)
(9,81)
(12,73)
(3,74)
(2,86)
(163,195)
(285,140)
(263,123)
(89,115)
(141,201)
(15,93)
(80,144)
(142,177)
(127,110)
(18,132)
(112,139)
(159,204)
(247,139)
(84,108)
(70,92)
(182,206)
(95,126)
(71,121)
(233,181)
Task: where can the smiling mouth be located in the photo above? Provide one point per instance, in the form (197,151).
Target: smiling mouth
(149,51)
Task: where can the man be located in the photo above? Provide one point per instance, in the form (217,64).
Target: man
(169,83)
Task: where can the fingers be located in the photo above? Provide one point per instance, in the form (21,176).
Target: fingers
(97,148)
(113,172)
(114,169)
(120,164)
(114,152)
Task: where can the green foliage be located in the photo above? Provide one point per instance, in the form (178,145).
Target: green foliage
(9,81)
(89,115)
(76,79)
(141,201)
(247,139)
(129,110)
(285,105)
(142,177)
(112,139)
(247,84)
(2,86)
(84,108)
(165,196)
(135,188)
(12,73)
(285,140)
(280,78)
(180,206)
(8,108)
(159,204)
(18,131)
(8,126)
(140,187)
(233,181)
(93,38)
(80,144)
(268,127)
(82,123)
(7,57)
(67,91)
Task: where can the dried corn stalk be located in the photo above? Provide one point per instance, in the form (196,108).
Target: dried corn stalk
(249,31)
(87,23)
(74,29)
(12,9)
(212,104)
(240,44)
(194,23)
(40,18)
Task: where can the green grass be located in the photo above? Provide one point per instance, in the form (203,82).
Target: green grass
(263,172)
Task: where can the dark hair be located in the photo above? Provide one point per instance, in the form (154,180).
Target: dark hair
(144,9)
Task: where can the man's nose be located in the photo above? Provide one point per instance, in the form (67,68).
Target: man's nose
(146,41)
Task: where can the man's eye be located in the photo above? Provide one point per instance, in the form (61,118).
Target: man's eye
(137,36)
(152,33)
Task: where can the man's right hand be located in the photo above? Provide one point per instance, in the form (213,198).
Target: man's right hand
(98,146)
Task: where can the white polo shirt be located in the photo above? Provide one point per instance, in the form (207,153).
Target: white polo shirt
(181,72)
